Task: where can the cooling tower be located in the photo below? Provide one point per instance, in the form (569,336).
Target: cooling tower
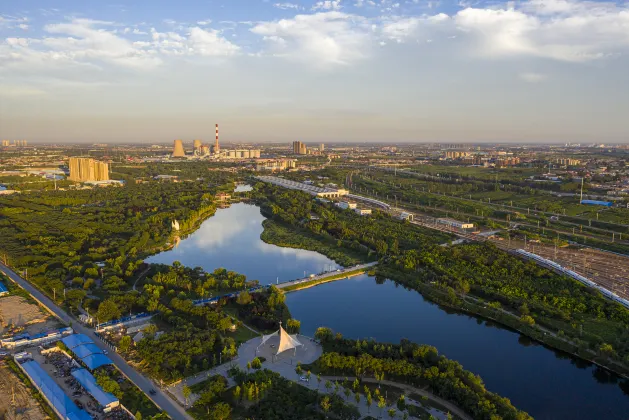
(178,149)
(197,144)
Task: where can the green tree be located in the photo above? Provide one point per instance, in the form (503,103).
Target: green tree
(347,393)
(326,405)
(237,392)
(186,391)
(107,311)
(220,411)
(244,298)
(381,404)
(369,401)
(256,363)
(392,412)
(125,344)
(138,415)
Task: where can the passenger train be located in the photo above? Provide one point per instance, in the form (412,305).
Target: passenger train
(608,294)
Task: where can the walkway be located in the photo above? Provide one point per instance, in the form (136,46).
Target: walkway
(322,277)
(408,389)
(160,398)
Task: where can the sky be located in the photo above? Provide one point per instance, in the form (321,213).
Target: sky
(335,70)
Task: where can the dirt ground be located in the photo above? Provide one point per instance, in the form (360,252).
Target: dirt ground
(17,312)
(25,406)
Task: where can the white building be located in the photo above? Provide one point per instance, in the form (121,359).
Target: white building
(346,205)
(363,212)
(455,223)
(405,216)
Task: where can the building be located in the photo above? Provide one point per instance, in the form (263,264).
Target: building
(299,148)
(88,169)
(310,189)
(3,290)
(178,150)
(321,147)
(223,196)
(455,154)
(276,165)
(241,154)
(568,162)
(405,216)
(363,212)
(6,143)
(455,223)
(346,205)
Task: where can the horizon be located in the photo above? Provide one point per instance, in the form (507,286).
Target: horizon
(532,72)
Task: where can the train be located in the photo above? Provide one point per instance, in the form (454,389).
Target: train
(608,294)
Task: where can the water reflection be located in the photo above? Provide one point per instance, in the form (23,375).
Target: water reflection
(231,239)
(548,384)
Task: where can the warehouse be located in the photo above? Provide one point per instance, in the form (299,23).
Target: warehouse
(88,382)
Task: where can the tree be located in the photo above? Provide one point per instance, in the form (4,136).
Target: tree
(381,404)
(256,363)
(186,391)
(298,370)
(527,319)
(369,402)
(357,398)
(237,392)
(392,412)
(125,344)
(244,298)
(328,385)
(318,380)
(401,403)
(293,326)
(138,415)
(220,411)
(326,405)
(347,393)
(107,311)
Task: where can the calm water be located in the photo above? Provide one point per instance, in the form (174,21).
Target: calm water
(231,239)
(546,384)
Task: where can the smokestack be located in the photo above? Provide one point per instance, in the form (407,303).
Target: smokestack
(178,149)
(216,145)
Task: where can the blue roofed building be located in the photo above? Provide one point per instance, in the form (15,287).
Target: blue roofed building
(57,399)
(75,340)
(88,382)
(3,290)
(94,361)
(85,350)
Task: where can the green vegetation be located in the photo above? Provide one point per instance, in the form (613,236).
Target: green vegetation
(478,278)
(324,280)
(293,237)
(417,365)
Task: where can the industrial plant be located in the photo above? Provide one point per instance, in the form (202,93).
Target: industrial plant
(202,151)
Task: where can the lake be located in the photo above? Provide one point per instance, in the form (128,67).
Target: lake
(231,239)
(545,383)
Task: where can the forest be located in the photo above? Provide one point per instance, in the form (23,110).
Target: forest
(475,277)
(417,365)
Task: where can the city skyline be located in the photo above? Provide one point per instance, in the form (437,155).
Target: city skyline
(540,71)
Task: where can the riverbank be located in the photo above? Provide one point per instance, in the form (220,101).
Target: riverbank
(476,306)
(281,235)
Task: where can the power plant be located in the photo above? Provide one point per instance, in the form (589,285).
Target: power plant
(199,150)
(178,150)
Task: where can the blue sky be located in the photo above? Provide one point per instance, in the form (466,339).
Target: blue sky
(335,70)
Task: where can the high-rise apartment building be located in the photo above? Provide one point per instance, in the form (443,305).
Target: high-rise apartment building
(6,143)
(87,169)
(299,148)
(321,147)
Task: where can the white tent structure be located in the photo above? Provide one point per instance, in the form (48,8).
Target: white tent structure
(287,342)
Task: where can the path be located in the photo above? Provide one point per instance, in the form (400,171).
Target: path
(141,276)
(408,389)
(326,275)
(160,398)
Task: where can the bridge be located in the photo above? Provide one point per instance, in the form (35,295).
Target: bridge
(319,277)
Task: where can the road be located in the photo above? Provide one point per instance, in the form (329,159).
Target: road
(160,399)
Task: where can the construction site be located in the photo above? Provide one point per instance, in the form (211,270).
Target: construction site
(16,400)
(17,315)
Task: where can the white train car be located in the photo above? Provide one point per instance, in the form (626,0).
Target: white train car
(607,293)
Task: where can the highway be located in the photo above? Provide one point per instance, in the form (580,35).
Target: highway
(160,399)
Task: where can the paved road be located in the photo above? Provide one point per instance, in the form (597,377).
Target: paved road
(160,399)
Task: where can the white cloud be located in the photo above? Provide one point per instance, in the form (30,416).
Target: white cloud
(532,77)
(322,39)
(211,43)
(19,91)
(287,6)
(327,5)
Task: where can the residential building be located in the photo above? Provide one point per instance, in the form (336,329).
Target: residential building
(87,169)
